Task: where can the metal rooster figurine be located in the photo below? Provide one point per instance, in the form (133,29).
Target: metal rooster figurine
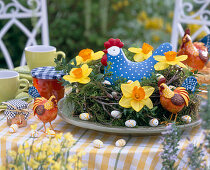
(121,67)
(46,110)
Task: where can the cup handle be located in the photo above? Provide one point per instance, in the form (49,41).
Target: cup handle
(25,88)
(61,53)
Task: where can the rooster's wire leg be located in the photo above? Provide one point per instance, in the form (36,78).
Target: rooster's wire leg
(44,129)
(175,118)
(51,126)
(171,116)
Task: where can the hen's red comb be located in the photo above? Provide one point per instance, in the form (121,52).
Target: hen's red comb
(113,42)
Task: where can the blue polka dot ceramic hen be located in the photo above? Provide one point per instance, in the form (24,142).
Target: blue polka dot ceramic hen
(121,67)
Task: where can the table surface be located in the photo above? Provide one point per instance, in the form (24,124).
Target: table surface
(139,152)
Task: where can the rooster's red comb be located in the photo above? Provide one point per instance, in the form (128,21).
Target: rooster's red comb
(113,42)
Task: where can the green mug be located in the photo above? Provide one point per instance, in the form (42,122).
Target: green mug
(41,55)
(10,85)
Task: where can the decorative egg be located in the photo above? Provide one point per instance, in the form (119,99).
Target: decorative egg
(84,116)
(98,143)
(153,122)
(130,123)
(116,114)
(13,128)
(51,133)
(159,76)
(114,94)
(129,81)
(106,82)
(172,87)
(120,143)
(35,134)
(186,119)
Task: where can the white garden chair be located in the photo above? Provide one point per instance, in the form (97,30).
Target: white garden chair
(14,11)
(182,16)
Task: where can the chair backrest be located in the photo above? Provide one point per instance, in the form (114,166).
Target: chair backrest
(13,12)
(183,15)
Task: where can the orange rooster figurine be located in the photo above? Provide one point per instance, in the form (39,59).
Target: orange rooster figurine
(173,101)
(46,110)
(197,52)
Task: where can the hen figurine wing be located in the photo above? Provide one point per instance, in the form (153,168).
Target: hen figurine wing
(190,83)
(121,67)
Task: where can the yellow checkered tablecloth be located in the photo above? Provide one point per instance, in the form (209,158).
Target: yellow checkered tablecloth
(139,153)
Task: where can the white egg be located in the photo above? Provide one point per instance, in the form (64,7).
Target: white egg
(186,119)
(159,76)
(51,133)
(13,128)
(35,134)
(130,123)
(120,143)
(98,143)
(172,87)
(153,122)
(116,114)
(106,82)
(84,116)
(129,81)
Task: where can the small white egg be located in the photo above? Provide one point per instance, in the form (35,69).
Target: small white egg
(116,114)
(98,143)
(120,143)
(106,82)
(35,134)
(172,87)
(129,81)
(84,116)
(186,119)
(51,133)
(159,76)
(153,122)
(13,128)
(114,94)
(130,123)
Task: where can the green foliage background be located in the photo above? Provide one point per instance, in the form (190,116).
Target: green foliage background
(74,25)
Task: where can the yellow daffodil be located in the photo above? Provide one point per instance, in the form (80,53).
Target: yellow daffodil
(142,53)
(87,55)
(142,16)
(68,136)
(155,38)
(154,23)
(136,96)
(33,164)
(26,145)
(56,166)
(20,149)
(169,59)
(41,156)
(79,75)
(58,136)
(34,127)
(12,154)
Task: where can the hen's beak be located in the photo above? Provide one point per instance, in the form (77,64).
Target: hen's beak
(104,60)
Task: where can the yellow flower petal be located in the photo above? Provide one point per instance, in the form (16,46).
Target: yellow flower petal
(135,83)
(161,66)
(126,90)
(181,65)
(138,57)
(148,103)
(79,60)
(181,57)
(125,102)
(86,70)
(160,58)
(172,62)
(148,91)
(136,105)
(97,55)
(84,80)
(135,50)
(146,56)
